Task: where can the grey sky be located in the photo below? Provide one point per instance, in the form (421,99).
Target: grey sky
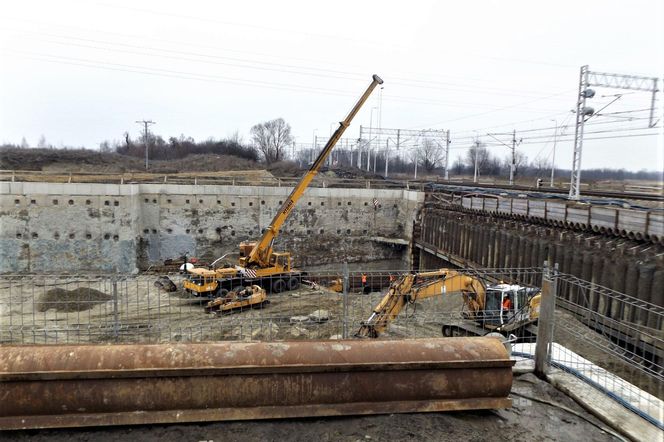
(80,72)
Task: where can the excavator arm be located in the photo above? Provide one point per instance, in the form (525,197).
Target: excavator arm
(261,252)
(413,287)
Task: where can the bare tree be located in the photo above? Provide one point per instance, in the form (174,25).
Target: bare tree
(520,162)
(431,155)
(272,138)
(458,166)
(42,142)
(236,138)
(540,165)
(24,143)
(104,146)
(485,160)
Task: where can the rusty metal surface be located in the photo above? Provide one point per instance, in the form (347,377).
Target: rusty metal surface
(46,386)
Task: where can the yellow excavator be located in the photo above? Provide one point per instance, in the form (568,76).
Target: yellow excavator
(484,310)
(259,264)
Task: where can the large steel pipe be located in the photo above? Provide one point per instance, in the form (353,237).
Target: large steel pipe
(86,385)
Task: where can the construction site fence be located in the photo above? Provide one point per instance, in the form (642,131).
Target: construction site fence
(59,309)
(608,339)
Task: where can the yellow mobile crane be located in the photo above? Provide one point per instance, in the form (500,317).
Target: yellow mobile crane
(483,308)
(259,264)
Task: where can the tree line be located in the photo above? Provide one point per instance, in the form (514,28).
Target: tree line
(272,141)
(177,148)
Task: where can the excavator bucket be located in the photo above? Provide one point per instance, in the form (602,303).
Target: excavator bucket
(92,385)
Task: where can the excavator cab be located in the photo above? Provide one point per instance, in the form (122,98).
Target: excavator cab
(496,312)
(520,304)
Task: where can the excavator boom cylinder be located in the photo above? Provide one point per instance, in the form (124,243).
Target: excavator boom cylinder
(91,385)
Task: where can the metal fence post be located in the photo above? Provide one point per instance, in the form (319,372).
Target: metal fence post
(116,324)
(344,334)
(546,320)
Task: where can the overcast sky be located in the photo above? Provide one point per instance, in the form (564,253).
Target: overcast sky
(80,72)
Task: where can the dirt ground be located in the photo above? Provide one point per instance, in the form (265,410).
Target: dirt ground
(85,312)
(527,420)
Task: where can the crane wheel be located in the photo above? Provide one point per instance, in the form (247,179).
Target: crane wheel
(293,283)
(447,331)
(278,286)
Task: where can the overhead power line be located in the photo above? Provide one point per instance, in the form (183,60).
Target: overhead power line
(215,78)
(266,65)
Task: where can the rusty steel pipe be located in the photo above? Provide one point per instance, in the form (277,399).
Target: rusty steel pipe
(87,385)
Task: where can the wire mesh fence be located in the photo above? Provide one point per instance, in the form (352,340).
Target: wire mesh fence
(610,340)
(613,342)
(132,309)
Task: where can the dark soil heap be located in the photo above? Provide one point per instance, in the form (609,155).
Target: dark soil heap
(77,300)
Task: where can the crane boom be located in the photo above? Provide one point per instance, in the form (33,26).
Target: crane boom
(260,254)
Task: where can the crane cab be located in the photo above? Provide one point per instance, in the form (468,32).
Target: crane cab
(281,261)
(200,281)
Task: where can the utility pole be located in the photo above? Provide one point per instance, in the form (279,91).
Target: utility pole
(380,123)
(387,155)
(375,156)
(313,151)
(447,155)
(359,157)
(145,124)
(587,79)
(477,148)
(553,160)
(314,142)
(369,142)
(513,157)
(398,139)
(416,158)
(581,112)
(652,103)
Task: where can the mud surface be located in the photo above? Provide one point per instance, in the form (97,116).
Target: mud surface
(527,420)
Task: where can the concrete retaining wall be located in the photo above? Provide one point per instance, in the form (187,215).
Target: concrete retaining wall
(48,227)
